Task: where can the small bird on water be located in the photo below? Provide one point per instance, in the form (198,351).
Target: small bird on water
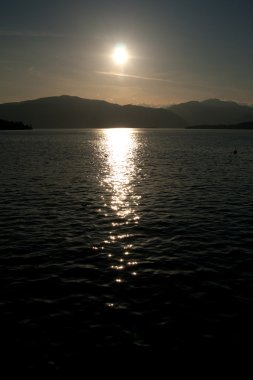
(235,150)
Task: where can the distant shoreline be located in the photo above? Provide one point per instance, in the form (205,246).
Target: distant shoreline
(246,125)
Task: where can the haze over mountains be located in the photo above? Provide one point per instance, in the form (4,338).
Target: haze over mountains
(74,112)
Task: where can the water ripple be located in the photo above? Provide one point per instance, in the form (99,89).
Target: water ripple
(125,239)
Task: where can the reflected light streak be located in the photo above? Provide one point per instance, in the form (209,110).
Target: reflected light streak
(120,146)
(119,154)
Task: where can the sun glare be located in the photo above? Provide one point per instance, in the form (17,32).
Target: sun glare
(120,54)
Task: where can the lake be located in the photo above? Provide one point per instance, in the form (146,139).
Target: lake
(125,239)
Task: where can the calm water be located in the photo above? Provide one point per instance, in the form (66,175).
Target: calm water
(125,239)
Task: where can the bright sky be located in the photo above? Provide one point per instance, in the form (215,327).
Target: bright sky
(178,50)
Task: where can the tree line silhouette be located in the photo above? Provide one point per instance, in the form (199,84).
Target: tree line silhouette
(13,125)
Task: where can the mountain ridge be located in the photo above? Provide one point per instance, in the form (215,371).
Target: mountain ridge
(73,112)
(67,111)
(213,112)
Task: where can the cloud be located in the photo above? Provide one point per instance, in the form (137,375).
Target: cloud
(133,76)
(186,85)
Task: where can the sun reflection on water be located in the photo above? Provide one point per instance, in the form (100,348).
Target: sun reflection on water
(118,182)
(120,149)
(119,144)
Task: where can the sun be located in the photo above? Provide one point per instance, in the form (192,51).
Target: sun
(120,54)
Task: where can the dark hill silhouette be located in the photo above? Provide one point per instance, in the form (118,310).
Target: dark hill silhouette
(13,125)
(213,112)
(73,112)
(244,125)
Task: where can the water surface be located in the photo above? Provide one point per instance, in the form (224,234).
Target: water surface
(126,239)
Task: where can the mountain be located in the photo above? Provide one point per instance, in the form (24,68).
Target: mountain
(73,112)
(213,112)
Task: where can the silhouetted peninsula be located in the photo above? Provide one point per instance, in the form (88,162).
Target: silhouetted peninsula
(13,125)
(73,112)
(246,125)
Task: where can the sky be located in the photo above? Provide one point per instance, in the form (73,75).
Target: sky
(179,50)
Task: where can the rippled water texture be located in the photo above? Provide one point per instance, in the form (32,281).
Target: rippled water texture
(127,239)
